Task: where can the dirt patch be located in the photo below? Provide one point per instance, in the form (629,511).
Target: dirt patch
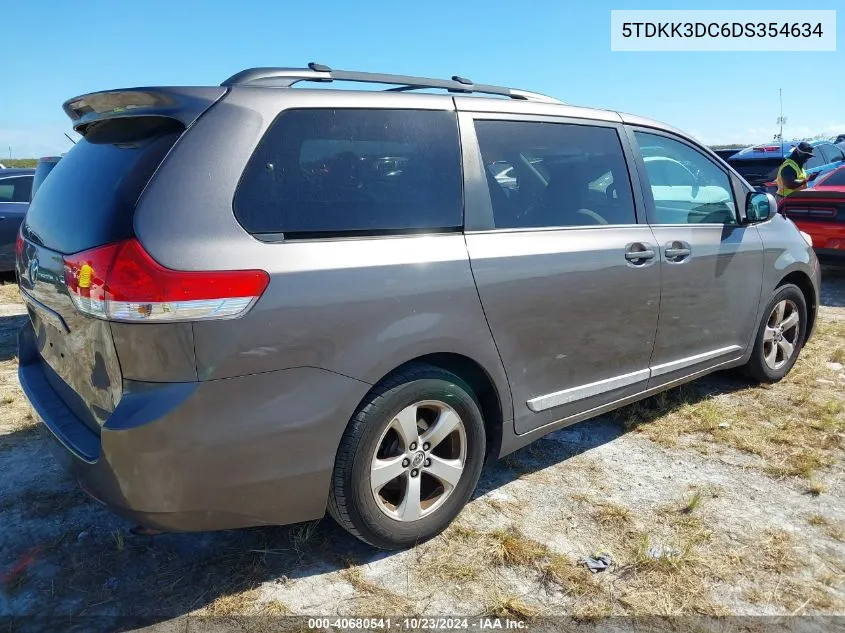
(720,497)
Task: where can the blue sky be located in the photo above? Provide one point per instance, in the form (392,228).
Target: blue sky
(560,48)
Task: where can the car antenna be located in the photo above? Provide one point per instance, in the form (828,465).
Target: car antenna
(69,138)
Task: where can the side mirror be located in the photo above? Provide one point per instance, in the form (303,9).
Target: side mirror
(759,207)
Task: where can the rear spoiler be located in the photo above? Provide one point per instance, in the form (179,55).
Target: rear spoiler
(185,104)
(815,195)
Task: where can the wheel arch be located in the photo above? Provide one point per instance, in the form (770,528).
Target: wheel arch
(479,381)
(805,285)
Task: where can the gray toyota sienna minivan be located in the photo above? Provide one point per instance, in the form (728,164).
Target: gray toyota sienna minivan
(254,302)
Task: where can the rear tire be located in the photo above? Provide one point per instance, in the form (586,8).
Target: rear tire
(391,488)
(780,336)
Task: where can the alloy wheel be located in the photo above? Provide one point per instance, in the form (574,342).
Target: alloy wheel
(780,338)
(418,461)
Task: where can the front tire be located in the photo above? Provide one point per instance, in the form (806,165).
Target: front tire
(780,336)
(409,459)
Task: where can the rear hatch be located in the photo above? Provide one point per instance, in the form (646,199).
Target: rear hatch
(88,201)
(757,171)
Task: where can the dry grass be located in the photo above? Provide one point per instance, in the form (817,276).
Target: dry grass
(275,608)
(609,514)
(508,508)
(816,487)
(793,430)
(679,581)
(832,529)
(9,293)
(590,600)
(511,547)
(303,536)
(374,600)
(239,603)
(797,598)
(511,607)
(460,555)
(776,552)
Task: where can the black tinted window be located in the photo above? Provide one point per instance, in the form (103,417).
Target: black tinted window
(15,189)
(90,195)
(555,174)
(324,171)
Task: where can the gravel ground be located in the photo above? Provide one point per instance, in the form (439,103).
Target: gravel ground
(698,518)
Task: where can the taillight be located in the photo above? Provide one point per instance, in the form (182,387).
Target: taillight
(18,246)
(121,282)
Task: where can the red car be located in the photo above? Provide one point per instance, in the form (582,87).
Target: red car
(820,212)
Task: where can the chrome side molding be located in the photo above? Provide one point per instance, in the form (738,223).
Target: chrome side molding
(573,394)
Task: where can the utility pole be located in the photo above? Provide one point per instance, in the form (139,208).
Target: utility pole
(781,119)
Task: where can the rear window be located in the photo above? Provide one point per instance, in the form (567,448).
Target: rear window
(90,196)
(325,172)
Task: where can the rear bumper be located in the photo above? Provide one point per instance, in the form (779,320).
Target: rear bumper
(235,452)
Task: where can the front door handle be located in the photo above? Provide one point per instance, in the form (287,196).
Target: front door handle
(677,251)
(639,253)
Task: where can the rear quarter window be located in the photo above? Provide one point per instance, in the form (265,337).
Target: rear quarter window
(335,172)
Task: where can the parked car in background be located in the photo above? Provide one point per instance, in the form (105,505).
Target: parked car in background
(221,339)
(42,169)
(15,194)
(839,139)
(820,212)
(828,157)
(759,164)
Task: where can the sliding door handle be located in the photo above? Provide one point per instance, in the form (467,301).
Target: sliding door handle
(633,256)
(639,254)
(677,251)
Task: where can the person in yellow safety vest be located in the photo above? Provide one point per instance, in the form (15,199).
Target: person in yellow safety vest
(791,175)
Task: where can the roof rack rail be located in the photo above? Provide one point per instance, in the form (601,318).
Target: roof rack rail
(287,77)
